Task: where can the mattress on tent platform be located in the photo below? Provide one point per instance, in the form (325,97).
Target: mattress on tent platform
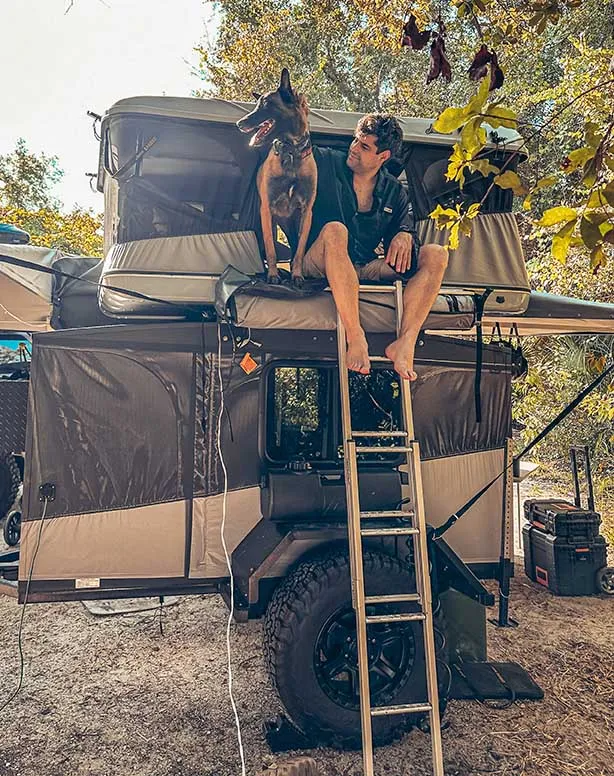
(184,271)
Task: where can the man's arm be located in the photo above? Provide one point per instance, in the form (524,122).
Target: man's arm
(401,236)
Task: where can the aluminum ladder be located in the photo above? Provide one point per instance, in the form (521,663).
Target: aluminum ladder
(357,530)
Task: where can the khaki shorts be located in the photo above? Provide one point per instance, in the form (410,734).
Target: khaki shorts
(375,271)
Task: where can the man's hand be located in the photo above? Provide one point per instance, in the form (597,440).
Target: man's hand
(399,251)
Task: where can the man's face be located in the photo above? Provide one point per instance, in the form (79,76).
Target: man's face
(363,156)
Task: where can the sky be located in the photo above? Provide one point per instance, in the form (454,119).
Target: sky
(66,60)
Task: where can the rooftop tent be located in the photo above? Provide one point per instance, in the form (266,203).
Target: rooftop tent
(173,168)
(25,294)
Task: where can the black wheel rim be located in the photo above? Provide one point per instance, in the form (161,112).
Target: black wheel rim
(13,529)
(606,581)
(392,653)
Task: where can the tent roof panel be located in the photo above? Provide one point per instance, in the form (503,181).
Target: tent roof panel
(331,122)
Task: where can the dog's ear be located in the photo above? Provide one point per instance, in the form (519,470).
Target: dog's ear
(285,89)
(256,96)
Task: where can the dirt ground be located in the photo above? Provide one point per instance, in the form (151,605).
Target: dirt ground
(113,696)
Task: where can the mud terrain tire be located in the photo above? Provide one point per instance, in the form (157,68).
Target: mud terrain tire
(308,623)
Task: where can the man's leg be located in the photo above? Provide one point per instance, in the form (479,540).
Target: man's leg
(329,254)
(418,297)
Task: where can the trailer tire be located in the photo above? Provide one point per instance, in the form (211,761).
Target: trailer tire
(310,617)
(12,528)
(10,479)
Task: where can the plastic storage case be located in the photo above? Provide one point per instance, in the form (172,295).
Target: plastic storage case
(562,518)
(564,567)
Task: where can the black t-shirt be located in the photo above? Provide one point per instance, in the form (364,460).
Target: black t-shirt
(390,213)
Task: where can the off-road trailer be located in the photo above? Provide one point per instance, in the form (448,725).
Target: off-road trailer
(133,468)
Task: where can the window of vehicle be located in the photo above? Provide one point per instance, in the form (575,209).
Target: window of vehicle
(304,413)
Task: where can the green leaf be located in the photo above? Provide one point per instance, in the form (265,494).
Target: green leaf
(598,258)
(592,134)
(561,241)
(556,215)
(590,233)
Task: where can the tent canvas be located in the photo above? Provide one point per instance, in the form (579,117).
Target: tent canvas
(25,294)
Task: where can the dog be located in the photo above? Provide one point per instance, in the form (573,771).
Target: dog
(287,179)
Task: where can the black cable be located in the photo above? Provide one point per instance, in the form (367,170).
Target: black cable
(17,690)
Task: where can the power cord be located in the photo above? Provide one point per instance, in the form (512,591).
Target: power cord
(226,554)
(17,690)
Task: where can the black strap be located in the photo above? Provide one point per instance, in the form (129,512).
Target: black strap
(480,301)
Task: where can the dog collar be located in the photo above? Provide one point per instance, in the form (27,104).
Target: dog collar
(302,147)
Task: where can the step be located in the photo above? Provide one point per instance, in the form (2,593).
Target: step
(380,359)
(378,619)
(407,708)
(407,515)
(389,531)
(382,434)
(399,598)
(384,449)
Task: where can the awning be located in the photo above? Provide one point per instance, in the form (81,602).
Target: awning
(548,315)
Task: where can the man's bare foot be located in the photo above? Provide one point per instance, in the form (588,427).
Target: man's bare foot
(358,356)
(401,353)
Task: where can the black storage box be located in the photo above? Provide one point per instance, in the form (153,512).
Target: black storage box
(562,518)
(565,567)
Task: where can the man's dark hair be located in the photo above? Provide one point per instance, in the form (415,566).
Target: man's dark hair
(386,129)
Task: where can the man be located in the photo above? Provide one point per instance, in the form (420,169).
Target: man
(359,205)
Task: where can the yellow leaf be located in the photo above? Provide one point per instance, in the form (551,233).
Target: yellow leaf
(454,235)
(476,103)
(473,210)
(526,203)
(556,215)
(577,158)
(510,180)
(473,137)
(562,240)
(483,166)
(548,180)
(498,116)
(449,120)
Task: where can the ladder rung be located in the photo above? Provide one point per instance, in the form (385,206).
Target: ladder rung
(384,449)
(376,289)
(400,598)
(407,708)
(388,513)
(375,619)
(382,434)
(389,531)
(380,359)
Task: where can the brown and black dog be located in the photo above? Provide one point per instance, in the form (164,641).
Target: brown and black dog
(287,178)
